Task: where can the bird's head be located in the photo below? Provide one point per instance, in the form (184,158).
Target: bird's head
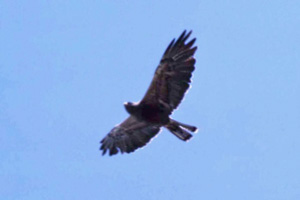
(130,107)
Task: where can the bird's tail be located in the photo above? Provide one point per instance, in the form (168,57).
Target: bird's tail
(180,129)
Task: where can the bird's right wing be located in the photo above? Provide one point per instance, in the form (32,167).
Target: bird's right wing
(128,136)
(173,75)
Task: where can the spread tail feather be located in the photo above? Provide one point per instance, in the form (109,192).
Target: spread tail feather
(176,128)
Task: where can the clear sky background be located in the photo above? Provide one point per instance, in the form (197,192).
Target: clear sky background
(66,67)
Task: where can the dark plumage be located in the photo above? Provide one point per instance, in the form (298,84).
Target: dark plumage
(170,82)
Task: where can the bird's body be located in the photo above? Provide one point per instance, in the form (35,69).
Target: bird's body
(152,113)
(170,82)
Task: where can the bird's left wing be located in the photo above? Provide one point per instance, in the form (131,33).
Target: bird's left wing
(128,136)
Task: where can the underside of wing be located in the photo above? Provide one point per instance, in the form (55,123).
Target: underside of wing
(128,136)
(173,75)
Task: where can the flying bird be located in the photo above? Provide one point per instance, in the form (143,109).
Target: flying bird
(171,80)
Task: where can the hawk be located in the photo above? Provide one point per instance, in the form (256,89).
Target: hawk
(171,80)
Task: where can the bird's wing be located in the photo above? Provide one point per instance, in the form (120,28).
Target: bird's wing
(173,75)
(128,136)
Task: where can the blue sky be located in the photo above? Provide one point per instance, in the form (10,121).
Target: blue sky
(67,67)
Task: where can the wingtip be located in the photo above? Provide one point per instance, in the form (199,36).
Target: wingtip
(188,34)
(103,152)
